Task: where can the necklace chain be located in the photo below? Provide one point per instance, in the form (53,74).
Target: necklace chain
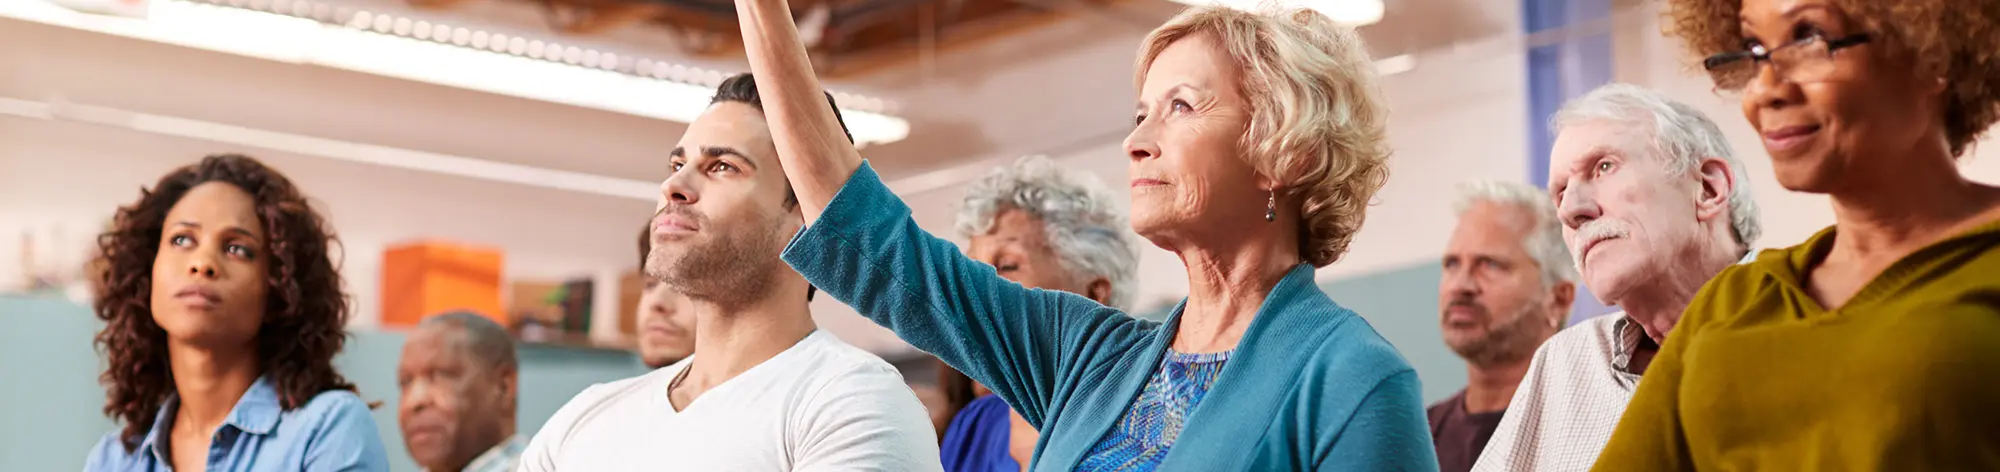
(676,383)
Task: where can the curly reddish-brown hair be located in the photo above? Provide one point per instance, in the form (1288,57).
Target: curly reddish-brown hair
(1955,40)
(305,311)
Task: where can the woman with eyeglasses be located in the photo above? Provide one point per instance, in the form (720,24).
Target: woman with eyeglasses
(1873,345)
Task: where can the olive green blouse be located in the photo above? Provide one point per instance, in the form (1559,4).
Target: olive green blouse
(1759,376)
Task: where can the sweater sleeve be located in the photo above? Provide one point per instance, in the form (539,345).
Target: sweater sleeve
(866,251)
(1387,431)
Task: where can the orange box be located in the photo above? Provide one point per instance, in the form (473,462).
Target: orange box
(433,277)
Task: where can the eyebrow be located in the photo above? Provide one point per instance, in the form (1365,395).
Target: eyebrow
(717,151)
(1170,92)
(1790,14)
(233,229)
(1473,256)
(1596,153)
(1796,9)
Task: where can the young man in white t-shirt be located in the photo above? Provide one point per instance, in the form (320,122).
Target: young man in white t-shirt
(765,390)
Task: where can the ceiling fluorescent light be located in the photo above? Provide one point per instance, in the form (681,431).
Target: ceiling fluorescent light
(393,157)
(1346,12)
(354,47)
(311,146)
(1397,64)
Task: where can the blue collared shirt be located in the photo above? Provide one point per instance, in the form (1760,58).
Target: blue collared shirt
(333,432)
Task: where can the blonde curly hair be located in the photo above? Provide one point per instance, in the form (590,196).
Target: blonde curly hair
(1954,40)
(1317,118)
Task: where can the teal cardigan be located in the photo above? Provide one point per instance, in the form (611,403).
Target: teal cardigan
(1310,387)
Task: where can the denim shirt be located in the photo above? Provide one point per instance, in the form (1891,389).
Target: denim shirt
(332,432)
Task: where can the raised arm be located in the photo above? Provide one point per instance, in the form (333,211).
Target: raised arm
(867,252)
(816,154)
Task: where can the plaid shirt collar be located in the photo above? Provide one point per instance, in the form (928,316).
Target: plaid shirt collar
(501,458)
(1630,336)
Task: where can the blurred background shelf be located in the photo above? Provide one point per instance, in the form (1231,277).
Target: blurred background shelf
(625,344)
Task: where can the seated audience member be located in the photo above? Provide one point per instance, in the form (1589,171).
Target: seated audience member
(460,380)
(1653,205)
(666,328)
(766,389)
(1874,344)
(1507,286)
(1042,227)
(222,314)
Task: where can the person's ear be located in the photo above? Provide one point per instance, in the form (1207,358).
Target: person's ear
(1099,290)
(1716,182)
(1562,299)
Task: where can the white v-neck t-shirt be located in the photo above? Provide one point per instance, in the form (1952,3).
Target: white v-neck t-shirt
(820,405)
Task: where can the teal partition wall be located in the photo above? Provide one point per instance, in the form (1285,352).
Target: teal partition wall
(1402,304)
(51,409)
(51,405)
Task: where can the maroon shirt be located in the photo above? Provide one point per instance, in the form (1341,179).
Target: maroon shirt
(1459,435)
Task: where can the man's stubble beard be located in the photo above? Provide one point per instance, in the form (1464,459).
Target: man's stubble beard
(1513,341)
(729,267)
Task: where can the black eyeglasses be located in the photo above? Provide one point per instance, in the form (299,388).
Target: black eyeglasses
(1807,60)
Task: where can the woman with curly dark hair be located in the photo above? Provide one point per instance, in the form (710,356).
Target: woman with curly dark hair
(223,312)
(1874,344)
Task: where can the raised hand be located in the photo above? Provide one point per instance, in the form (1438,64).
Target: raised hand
(816,154)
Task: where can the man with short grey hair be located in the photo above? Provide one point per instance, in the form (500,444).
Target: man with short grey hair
(1507,286)
(459,380)
(1653,204)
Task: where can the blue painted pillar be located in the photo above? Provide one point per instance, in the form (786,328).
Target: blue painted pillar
(1558,71)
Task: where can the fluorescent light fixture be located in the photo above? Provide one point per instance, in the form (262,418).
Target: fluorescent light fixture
(1397,64)
(1346,12)
(313,146)
(398,158)
(383,45)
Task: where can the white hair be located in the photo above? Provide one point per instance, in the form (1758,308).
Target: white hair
(1083,224)
(1544,242)
(1681,136)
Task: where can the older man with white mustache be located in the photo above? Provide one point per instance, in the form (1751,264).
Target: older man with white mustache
(1653,205)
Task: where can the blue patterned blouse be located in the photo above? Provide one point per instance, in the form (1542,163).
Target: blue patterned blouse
(1150,425)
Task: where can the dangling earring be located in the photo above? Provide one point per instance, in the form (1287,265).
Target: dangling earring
(1271,207)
